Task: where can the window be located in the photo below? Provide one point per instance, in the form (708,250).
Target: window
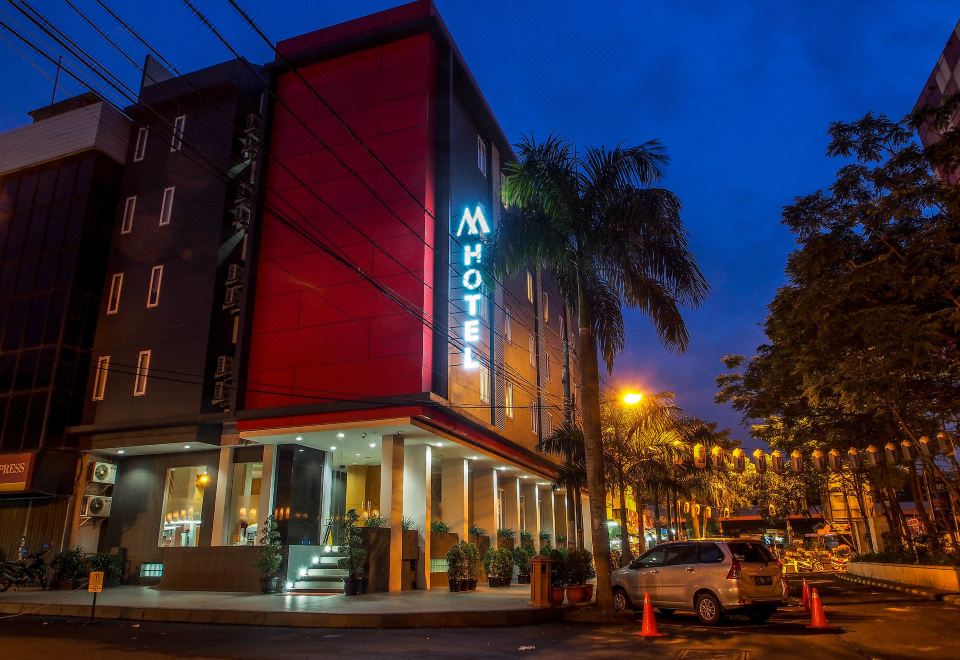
(651,559)
(126,226)
(482,308)
(113,301)
(482,155)
(143,370)
(547,370)
(100,379)
(141,149)
(548,424)
(710,553)
(507,324)
(750,553)
(534,414)
(166,208)
(484,384)
(508,400)
(546,307)
(532,347)
(501,523)
(176,140)
(681,554)
(182,506)
(153,294)
(529,286)
(244,499)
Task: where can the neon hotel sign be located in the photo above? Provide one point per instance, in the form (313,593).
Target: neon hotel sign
(476,227)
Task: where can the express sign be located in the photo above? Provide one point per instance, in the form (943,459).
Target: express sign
(15,472)
(476,226)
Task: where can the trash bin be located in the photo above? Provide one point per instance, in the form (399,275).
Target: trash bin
(540,581)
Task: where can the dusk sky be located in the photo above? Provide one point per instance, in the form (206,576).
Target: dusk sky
(740,93)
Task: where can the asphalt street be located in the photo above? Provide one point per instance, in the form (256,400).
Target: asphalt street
(870,623)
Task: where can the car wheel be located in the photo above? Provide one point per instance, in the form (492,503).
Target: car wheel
(621,601)
(708,609)
(666,611)
(761,615)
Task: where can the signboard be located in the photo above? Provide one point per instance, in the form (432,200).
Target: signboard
(476,228)
(95,585)
(15,472)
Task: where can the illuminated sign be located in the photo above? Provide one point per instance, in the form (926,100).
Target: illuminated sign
(475,225)
(15,472)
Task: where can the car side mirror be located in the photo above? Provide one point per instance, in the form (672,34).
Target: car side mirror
(635,564)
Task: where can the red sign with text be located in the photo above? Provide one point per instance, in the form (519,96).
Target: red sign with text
(15,472)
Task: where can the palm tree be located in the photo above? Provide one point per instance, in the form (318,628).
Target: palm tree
(566,442)
(609,237)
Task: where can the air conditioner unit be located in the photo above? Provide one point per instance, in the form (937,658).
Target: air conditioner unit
(233,273)
(96,506)
(103,473)
(224,365)
(232,296)
(220,393)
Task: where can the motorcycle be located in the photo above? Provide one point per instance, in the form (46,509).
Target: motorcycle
(32,570)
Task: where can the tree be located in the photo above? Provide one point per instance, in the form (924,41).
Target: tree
(609,237)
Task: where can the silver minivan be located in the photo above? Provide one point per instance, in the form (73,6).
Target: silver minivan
(713,577)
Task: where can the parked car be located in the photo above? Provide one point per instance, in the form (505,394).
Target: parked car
(713,577)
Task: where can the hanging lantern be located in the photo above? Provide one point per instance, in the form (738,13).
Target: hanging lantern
(686,507)
(699,456)
(834,460)
(726,512)
(817,460)
(696,509)
(853,459)
(717,458)
(739,460)
(760,460)
(796,461)
(873,456)
(945,443)
(709,512)
(891,454)
(772,510)
(927,448)
(908,451)
(776,461)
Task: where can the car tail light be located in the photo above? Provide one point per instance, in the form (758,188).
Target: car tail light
(734,572)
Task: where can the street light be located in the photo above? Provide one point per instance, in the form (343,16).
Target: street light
(632,398)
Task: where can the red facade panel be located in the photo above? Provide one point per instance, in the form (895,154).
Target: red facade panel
(320,330)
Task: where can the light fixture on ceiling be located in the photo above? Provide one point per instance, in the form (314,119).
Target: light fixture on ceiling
(439,444)
(333,449)
(501,469)
(372,445)
(341,434)
(299,450)
(299,438)
(525,477)
(120,451)
(186,446)
(472,458)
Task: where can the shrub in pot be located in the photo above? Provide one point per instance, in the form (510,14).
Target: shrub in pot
(110,564)
(579,570)
(503,566)
(521,559)
(269,556)
(505,537)
(67,567)
(439,527)
(457,567)
(474,565)
(558,575)
(355,559)
(545,540)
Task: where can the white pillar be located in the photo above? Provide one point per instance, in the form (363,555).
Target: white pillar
(391,502)
(485,487)
(221,504)
(511,504)
(267,485)
(587,524)
(531,509)
(417,489)
(546,514)
(455,495)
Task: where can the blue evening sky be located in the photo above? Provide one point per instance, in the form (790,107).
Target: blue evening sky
(740,93)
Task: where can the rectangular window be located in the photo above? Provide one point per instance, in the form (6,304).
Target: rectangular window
(546,307)
(182,506)
(547,367)
(143,371)
(484,384)
(481,155)
(166,208)
(126,226)
(508,400)
(532,347)
(153,293)
(534,412)
(100,378)
(482,308)
(141,149)
(548,424)
(508,324)
(244,499)
(501,496)
(529,286)
(113,301)
(176,140)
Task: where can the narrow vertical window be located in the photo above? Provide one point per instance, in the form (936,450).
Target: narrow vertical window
(529,286)
(534,413)
(166,207)
(547,371)
(508,324)
(484,384)
(143,371)
(100,378)
(548,424)
(140,150)
(508,400)
(481,155)
(236,328)
(153,293)
(176,140)
(532,347)
(546,307)
(113,301)
(126,225)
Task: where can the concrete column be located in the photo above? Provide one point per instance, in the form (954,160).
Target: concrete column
(267,485)
(455,495)
(391,502)
(559,514)
(531,506)
(546,513)
(417,489)
(511,503)
(485,486)
(221,502)
(88,536)
(588,524)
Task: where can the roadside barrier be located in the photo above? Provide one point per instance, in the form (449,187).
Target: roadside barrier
(649,628)
(818,618)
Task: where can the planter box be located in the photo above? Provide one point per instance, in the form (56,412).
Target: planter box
(940,578)
(376,541)
(439,544)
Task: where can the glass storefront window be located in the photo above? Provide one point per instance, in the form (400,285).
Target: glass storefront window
(244,498)
(183,506)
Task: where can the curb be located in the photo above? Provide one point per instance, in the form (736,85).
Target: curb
(953,599)
(467,619)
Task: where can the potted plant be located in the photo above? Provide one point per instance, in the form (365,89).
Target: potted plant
(110,564)
(377,521)
(476,532)
(526,538)
(558,577)
(456,567)
(505,537)
(504,566)
(356,555)
(545,538)
(580,569)
(474,565)
(269,556)
(67,567)
(561,540)
(439,527)
(521,559)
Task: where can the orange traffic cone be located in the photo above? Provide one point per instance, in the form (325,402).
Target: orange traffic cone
(649,628)
(805,597)
(818,619)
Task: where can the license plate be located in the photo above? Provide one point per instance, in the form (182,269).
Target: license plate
(765,580)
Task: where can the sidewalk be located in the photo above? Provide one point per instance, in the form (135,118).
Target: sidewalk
(409,609)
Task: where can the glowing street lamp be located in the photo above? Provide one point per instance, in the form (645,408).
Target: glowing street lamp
(632,398)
